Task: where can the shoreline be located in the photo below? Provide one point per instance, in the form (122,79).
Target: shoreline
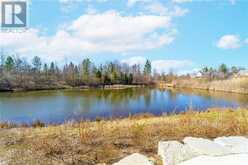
(108,141)
(134,117)
(207,90)
(115,86)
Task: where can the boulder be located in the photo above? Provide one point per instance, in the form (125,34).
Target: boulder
(173,152)
(236,144)
(206,147)
(135,159)
(236,159)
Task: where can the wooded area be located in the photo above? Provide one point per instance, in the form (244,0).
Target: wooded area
(16,73)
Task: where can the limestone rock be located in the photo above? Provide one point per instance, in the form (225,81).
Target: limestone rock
(206,147)
(134,159)
(237,144)
(173,152)
(236,159)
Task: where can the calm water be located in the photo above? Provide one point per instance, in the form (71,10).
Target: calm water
(64,105)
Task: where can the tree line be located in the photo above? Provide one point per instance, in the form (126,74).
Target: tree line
(19,73)
(222,72)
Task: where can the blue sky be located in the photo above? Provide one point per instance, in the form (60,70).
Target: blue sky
(178,35)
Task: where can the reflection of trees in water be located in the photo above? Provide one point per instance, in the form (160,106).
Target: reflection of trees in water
(147,97)
(73,104)
(172,94)
(78,100)
(119,100)
(86,104)
(124,96)
(112,97)
(29,94)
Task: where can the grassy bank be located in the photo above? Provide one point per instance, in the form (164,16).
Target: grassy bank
(108,141)
(235,85)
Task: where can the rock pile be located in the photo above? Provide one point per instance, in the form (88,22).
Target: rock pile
(195,151)
(135,159)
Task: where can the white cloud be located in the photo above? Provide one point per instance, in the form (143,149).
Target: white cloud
(139,60)
(162,66)
(112,32)
(181,1)
(94,33)
(229,42)
(157,8)
(178,12)
(176,66)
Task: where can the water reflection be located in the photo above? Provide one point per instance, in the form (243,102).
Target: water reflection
(62,105)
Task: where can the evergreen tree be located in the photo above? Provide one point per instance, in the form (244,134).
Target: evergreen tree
(223,68)
(9,64)
(52,68)
(148,68)
(45,70)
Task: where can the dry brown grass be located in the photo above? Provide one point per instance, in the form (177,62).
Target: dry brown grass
(6,125)
(34,124)
(235,85)
(109,141)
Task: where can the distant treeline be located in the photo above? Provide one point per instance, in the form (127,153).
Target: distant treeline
(222,72)
(16,73)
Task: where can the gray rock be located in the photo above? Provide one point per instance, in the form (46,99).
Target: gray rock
(135,159)
(235,159)
(173,152)
(206,147)
(236,144)
(2,162)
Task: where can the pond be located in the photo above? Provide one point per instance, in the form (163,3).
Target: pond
(66,105)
